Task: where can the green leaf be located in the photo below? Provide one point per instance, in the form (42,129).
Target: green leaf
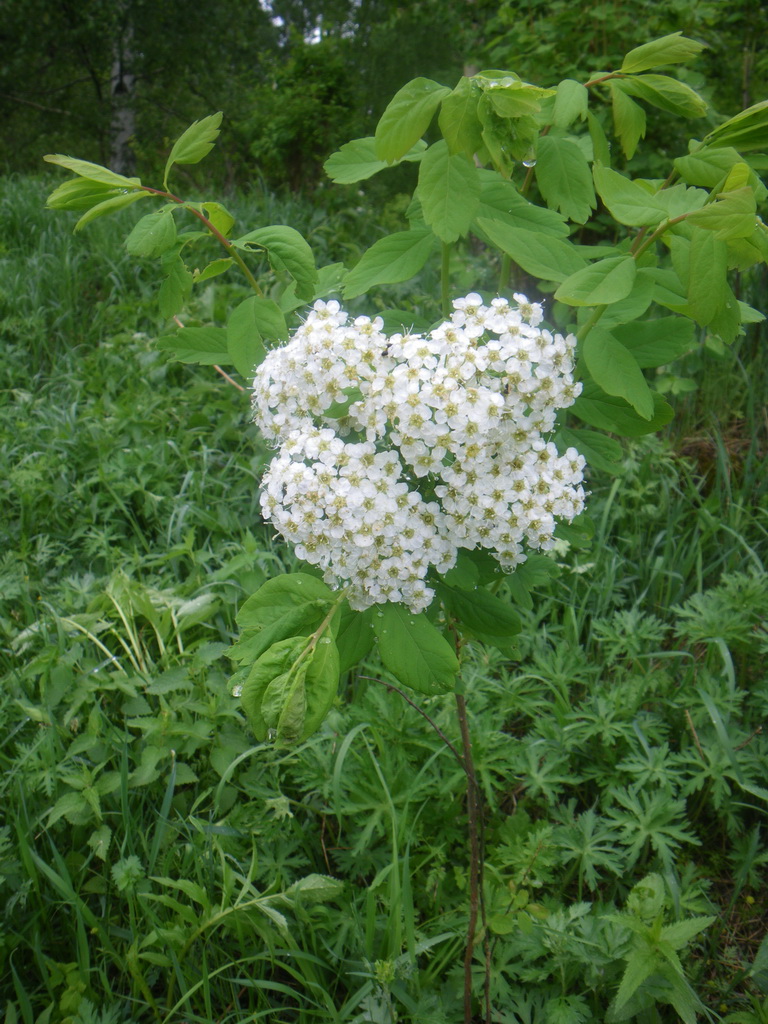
(601,452)
(667,288)
(615,370)
(290,590)
(244,344)
(629,120)
(315,889)
(680,933)
(321,686)
(505,140)
(726,323)
(288,252)
(205,345)
(291,688)
(213,269)
(732,215)
(283,621)
(404,321)
(517,99)
(707,280)
(628,202)
(329,282)
(641,964)
(564,178)
(272,668)
(449,191)
(706,167)
(672,49)
(579,533)
(355,637)
(357,160)
(610,412)
(535,571)
(93,172)
(465,574)
(407,117)
(656,342)
(330,279)
(392,259)
(82,194)
(750,315)
(488,568)
(600,145)
(551,259)
(338,410)
(152,235)
(746,131)
(194,144)
(269,319)
(175,289)
(481,613)
(679,200)
(414,651)
(571,102)
(109,206)
(72,806)
(665,93)
(459,121)
(739,175)
(500,200)
(600,284)
(221,218)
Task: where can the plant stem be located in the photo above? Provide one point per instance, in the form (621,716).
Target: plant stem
(231,250)
(424,715)
(590,322)
(474,826)
(474,852)
(445,281)
(506,266)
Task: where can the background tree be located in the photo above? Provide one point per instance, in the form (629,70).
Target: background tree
(297,78)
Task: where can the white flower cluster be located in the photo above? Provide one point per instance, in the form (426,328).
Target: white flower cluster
(395,452)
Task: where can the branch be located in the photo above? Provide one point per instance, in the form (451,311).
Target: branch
(37,106)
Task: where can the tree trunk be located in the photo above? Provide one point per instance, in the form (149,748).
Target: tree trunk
(122,90)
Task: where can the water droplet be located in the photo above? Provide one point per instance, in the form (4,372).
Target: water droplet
(325,639)
(529,163)
(237,691)
(380,615)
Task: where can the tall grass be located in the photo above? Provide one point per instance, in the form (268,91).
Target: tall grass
(157,864)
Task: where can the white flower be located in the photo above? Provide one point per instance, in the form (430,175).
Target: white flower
(396,452)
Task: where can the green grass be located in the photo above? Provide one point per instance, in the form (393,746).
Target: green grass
(158,864)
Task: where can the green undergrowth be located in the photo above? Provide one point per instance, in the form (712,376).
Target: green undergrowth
(156,864)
